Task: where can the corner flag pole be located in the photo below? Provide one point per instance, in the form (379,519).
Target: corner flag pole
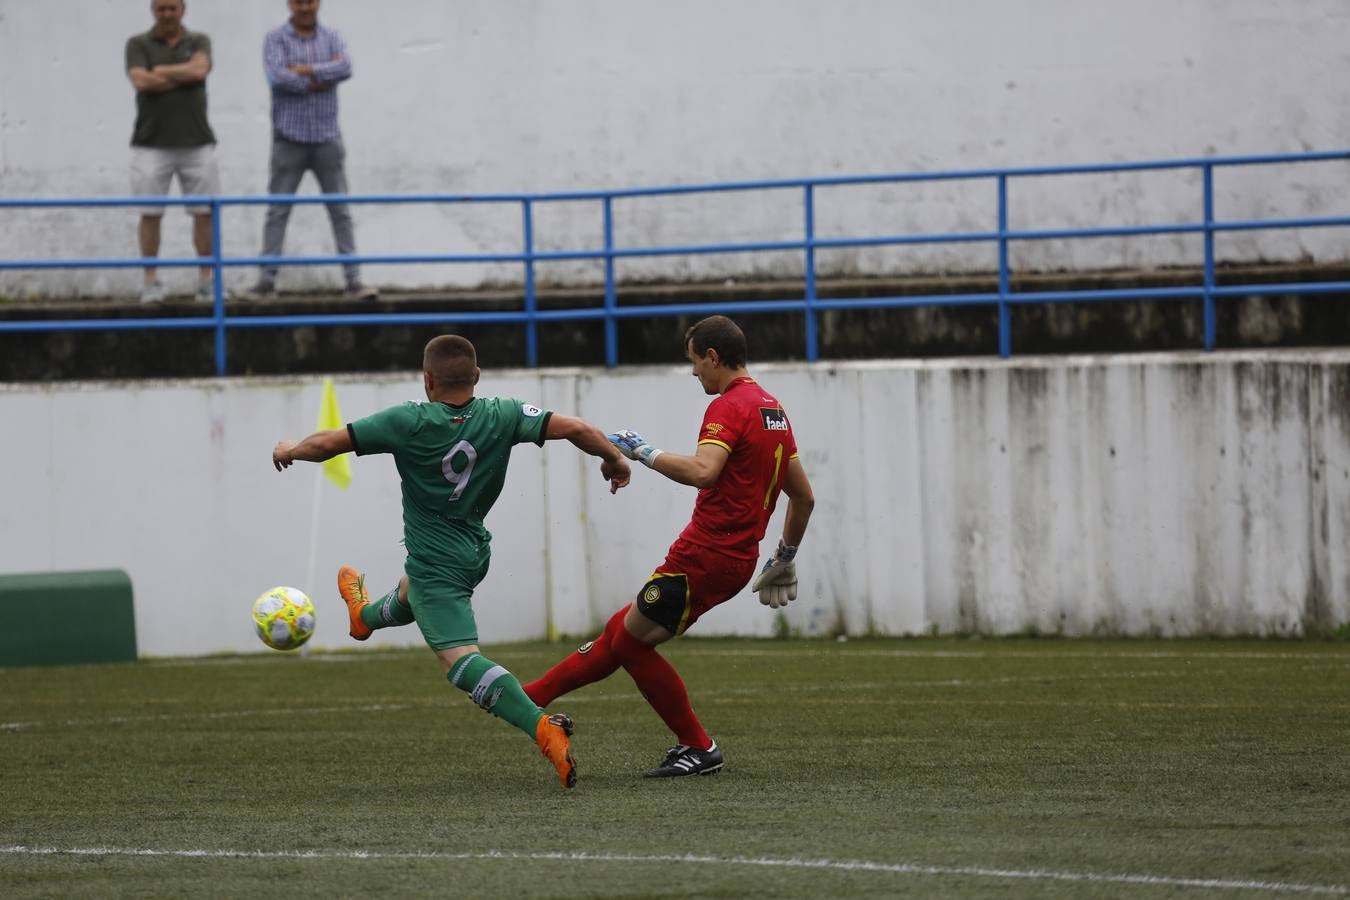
(338,470)
(314,534)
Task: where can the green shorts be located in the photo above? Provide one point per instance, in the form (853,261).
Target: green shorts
(443,604)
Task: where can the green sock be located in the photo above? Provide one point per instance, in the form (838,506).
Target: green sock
(387,611)
(495,690)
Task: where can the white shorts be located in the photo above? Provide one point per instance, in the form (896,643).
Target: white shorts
(153,168)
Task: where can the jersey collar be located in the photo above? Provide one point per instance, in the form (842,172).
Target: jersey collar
(459,408)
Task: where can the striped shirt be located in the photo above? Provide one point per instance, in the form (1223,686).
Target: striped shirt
(299,113)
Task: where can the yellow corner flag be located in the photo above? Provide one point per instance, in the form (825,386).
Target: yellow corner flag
(339,468)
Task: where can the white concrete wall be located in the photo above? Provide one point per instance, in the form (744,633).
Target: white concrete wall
(1174,495)
(480,96)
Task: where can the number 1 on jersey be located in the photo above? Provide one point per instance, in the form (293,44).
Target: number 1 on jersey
(460,478)
(773,482)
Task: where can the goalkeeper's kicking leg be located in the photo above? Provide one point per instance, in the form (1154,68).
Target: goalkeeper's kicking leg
(666,606)
(655,677)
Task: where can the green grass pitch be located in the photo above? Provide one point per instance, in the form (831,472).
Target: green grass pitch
(924,768)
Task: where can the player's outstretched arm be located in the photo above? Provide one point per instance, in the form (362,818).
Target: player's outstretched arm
(700,470)
(776,583)
(319,446)
(589,439)
(801,502)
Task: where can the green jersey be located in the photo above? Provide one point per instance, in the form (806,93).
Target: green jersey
(452,461)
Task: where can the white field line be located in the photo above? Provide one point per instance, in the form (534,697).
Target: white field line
(787,863)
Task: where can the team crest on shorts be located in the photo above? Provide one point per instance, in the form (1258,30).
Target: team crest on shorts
(651,594)
(586,647)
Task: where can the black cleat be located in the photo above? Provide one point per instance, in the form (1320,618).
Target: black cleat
(682,760)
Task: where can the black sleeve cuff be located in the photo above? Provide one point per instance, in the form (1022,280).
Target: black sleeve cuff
(543,428)
(351,433)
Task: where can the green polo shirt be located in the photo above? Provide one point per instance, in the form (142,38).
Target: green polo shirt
(175,118)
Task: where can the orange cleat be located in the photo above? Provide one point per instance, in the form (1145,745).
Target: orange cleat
(553,735)
(352,587)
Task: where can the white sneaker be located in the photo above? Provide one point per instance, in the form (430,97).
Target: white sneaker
(359,291)
(152,292)
(257,293)
(204,293)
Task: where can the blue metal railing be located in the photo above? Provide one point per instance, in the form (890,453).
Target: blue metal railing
(811,305)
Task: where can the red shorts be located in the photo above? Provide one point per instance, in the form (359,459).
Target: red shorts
(691,581)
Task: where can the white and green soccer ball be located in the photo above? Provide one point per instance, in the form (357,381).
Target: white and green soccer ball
(283,618)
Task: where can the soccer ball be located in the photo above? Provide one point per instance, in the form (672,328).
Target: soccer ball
(283,618)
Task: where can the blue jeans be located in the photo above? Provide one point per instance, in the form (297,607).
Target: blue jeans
(290,160)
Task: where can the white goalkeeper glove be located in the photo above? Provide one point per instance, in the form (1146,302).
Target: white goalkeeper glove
(777,581)
(635,446)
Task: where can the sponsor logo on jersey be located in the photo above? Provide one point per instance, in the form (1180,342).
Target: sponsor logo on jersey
(774,419)
(586,647)
(652,594)
(531,411)
(713,429)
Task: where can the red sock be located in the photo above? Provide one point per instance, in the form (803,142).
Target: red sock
(662,686)
(578,669)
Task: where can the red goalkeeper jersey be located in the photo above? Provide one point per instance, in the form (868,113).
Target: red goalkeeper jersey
(732,515)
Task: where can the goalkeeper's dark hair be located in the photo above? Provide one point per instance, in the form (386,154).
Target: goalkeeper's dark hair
(452,360)
(721,334)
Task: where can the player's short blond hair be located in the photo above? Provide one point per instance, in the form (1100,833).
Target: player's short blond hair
(451,360)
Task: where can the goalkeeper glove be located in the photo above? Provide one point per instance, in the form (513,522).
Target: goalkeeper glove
(777,581)
(635,446)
